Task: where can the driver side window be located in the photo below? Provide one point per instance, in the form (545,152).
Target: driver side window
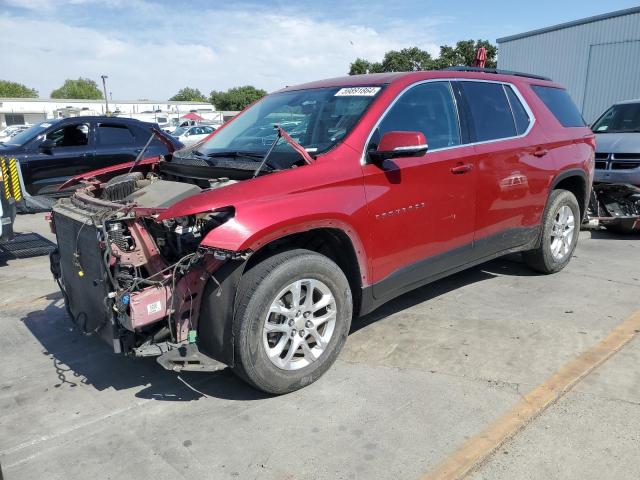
(428,108)
(74,135)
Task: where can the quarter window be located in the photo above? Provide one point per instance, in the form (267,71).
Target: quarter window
(520,115)
(490,110)
(428,108)
(559,102)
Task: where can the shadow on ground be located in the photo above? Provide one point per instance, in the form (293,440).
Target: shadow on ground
(508,265)
(86,360)
(611,235)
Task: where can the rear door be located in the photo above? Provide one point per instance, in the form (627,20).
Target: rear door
(115,143)
(421,209)
(512,171)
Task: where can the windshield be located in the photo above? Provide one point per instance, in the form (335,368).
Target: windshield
(317,119)
(26,135)
(179,131)
(619,119)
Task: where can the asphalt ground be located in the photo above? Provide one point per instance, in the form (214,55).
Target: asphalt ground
(424,382)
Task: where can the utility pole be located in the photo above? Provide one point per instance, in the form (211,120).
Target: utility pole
(104,87)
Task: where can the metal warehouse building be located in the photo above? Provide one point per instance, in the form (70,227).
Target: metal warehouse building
(596,58)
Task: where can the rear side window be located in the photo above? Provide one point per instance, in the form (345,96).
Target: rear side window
(490,110)
(520,115)
(559,102)
(113,134)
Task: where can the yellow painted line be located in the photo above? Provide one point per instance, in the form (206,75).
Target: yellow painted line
(479,448)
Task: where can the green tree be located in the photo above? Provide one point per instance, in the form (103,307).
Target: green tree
(464,53)
(16,90)
(83,88)
(362,66)
(413,58)
(236,98)
(188,94)
(407,60)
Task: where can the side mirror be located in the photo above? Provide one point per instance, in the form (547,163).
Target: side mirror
(399,144)
(47,145)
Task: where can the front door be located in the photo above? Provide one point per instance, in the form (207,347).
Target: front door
(422,209)
(71,154)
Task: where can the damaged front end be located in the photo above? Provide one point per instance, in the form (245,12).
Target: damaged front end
(616,206)
(138,282)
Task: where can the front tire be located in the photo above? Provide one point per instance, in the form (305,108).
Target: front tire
(292,317)
(559,235)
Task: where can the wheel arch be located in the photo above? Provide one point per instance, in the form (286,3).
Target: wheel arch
(215,324)
(330,241)
(574,181)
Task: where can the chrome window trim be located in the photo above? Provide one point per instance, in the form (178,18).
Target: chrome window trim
(532,118)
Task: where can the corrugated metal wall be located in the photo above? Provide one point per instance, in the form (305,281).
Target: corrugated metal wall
(598,62)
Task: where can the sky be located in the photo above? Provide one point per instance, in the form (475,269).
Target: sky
(149,49)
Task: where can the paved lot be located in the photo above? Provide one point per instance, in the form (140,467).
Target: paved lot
(417,378)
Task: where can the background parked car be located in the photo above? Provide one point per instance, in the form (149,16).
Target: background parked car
(51,152)
(615,201)
(192,135)
(618,144)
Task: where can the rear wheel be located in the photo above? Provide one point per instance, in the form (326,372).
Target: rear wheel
(559,236)
(292,318)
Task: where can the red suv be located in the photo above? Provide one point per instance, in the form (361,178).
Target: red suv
(256,247)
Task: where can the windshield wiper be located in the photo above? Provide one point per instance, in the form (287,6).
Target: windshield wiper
(296,146)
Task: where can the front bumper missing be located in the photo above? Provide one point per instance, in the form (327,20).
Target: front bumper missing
(162,320)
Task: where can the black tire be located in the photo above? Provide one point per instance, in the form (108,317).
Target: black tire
(258,289)
(541,259)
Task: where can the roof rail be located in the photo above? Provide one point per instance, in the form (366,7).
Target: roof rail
(495,71)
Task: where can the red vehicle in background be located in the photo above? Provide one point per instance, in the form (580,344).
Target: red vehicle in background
(256,247)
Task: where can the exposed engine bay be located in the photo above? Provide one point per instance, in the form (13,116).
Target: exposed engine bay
(137,281)
(616,206)
(133,280)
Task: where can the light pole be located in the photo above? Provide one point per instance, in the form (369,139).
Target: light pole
(104,87)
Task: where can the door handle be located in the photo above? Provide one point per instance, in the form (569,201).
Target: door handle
(462,168)
(540,152)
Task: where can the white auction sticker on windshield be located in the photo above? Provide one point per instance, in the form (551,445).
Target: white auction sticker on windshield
(357,92)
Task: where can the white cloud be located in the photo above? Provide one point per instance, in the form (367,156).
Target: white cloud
(154,51)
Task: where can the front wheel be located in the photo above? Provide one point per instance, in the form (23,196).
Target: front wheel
(293,314)
(559,235)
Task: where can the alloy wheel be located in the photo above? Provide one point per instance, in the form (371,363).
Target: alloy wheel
(562,233)
(299,324)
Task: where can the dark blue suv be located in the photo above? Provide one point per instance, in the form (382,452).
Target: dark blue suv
(51,152)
